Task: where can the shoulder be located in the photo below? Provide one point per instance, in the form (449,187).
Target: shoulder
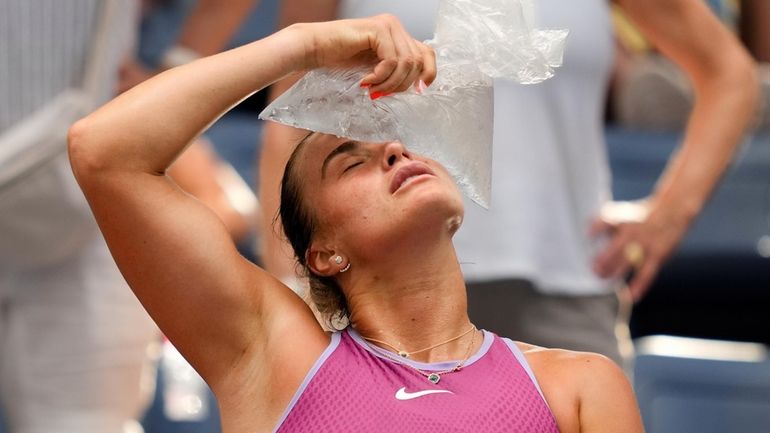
(581,368)
(572,371)
(586,392)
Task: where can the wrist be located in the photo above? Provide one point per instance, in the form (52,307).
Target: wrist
(679,213)
(300,46)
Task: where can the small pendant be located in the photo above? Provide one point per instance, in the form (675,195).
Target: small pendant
(434,378)
(403,354)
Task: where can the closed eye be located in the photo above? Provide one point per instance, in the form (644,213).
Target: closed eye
(352,166)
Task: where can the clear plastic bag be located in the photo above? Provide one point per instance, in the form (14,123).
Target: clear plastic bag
(476,41)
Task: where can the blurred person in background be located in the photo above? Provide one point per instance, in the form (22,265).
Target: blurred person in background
(650,92)
(546,263)
(72,340)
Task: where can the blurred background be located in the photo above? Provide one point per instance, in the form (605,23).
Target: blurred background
(713,295)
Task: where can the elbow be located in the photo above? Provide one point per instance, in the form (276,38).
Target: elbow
(745,74)
(732,82)
(76,146)
(744,79)
(82,151)
(753,83)
(742,73)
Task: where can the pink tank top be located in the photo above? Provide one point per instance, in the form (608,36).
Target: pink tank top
(354,388)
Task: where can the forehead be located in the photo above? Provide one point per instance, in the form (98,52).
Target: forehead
(309,154)
(325,143)
(316,146)
(315,149)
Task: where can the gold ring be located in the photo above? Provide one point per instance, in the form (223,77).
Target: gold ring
(634,254)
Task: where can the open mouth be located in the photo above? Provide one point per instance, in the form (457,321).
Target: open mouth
(409,173)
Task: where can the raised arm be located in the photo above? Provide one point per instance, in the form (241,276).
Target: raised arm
(175,254)
(726,90)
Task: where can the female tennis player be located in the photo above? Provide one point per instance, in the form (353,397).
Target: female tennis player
(372,225)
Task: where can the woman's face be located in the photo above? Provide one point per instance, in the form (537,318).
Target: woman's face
(372,196)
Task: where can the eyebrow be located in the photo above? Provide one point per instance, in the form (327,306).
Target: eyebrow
(345,147)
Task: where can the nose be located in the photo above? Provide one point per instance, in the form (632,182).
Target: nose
(394,152)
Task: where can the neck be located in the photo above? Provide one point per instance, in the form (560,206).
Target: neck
(413,303)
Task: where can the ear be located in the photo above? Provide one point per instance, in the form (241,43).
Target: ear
(321,261)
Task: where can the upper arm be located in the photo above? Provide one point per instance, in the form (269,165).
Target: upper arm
(606,401)
(689,34)
(180,262)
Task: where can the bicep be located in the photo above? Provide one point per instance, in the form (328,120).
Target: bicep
(180,262)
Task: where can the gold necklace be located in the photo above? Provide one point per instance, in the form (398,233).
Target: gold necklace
(405,354)
(435,376)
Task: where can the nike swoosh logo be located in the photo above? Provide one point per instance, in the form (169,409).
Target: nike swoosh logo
(401,394)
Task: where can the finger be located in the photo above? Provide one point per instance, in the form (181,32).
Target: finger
(611,258)
(384,47)
(404,67)
(428,64)
(409,59)
(600,226)
(417,65)
(395,76)
(411,78)
(381,72)
(643,278)
(617,266)
(621,267)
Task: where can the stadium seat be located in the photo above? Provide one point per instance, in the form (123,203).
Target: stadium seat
(706,386)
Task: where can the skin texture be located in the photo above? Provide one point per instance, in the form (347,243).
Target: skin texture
(251,338)
(725,83)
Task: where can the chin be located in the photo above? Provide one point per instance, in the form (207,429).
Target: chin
(429,215)
(438,207)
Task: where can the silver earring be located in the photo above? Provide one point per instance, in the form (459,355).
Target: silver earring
(338,260)
(346,268)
